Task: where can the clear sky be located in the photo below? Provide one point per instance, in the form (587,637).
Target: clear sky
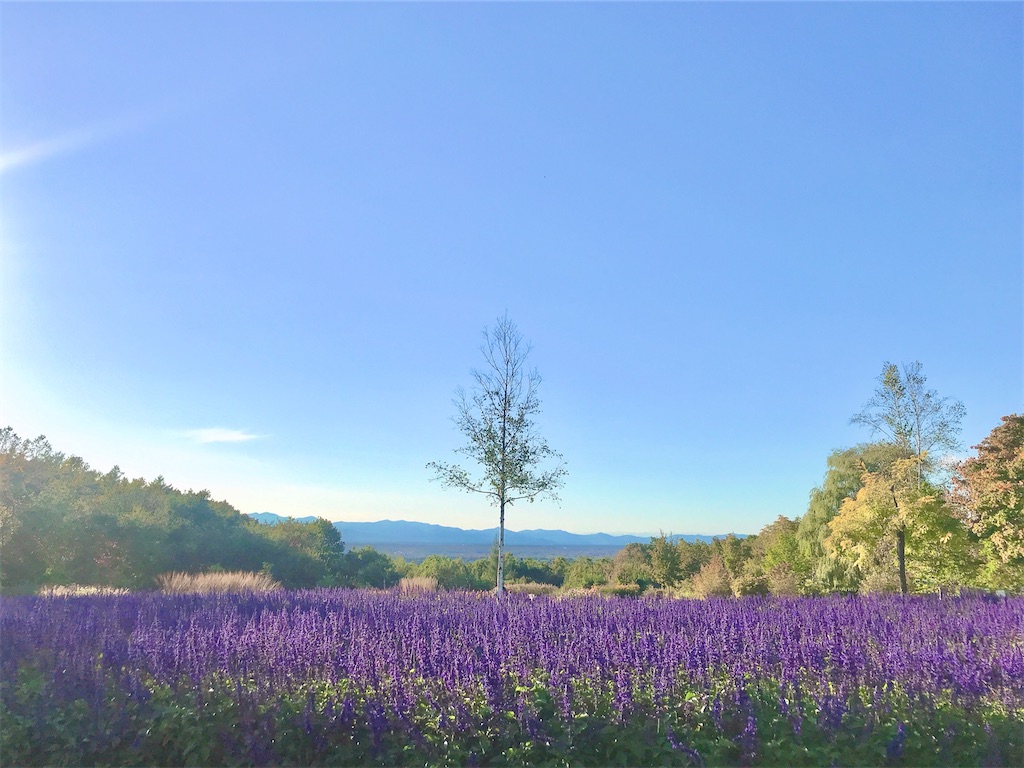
(252,247)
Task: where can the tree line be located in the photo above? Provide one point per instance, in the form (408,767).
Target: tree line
(889,516)
(62,522)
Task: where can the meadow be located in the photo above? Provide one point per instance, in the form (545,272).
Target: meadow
(356,677)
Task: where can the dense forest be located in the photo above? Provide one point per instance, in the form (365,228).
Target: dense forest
(62,522)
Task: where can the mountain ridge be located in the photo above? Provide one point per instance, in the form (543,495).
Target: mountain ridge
(406,532)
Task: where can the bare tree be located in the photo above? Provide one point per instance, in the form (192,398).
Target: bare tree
(497,418)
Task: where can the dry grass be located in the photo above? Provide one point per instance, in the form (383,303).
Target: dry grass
(532,588)
(412,585)
(207,583)
(577,592)
(78,590)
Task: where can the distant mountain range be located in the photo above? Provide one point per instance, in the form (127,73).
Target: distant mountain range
(403,532)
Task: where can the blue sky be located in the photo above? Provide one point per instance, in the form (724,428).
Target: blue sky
(252,248)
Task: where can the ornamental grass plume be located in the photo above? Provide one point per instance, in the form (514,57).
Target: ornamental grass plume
(78,590)
(178,583)
(415,585)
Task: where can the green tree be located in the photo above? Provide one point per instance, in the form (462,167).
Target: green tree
(632,565)
(531,569)
(776,556)
(65,522)
(559,567)
(843,478)
(313,553)
(665,565)
(366,567)
(785,566)
(497,417)
(734,552)
(585,572)
(511,567)
(692,557)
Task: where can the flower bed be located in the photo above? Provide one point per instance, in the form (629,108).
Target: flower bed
(345,677)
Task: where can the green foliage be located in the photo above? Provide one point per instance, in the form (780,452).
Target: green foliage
(916,425)
(776,564)
(223,723)
(658,564)
(531,570)
(914,420)
(366,567)
(586,572)
(733,552)
(692,557)
(518,570)
(749,584)
(666,569)
(308,554)
(451,573)
(843,478)
(62,522)
(632,565)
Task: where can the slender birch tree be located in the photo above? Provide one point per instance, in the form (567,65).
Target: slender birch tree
(497,417)
(914,419)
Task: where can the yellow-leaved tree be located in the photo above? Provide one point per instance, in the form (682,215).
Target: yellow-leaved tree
(897,509)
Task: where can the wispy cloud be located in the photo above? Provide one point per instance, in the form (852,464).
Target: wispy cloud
(220,435)
(78,139)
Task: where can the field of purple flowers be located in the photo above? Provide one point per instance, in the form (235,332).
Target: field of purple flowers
(346,677)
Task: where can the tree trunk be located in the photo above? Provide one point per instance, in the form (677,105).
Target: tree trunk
(901,543)
(901,558)
(501,549)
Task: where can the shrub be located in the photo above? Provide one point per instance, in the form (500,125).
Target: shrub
(712,580)
(661,592)
(206,583)
(880,582)
(750,584)
(621,590)
(450,573)
(783,580)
